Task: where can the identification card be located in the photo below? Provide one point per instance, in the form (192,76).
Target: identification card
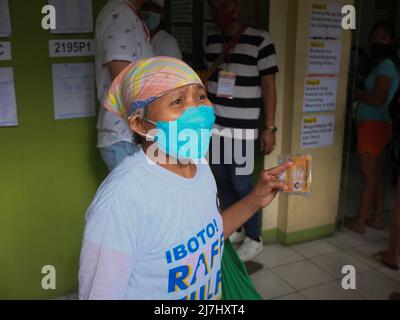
(226,84)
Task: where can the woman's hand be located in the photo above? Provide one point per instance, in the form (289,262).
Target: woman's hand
(269,184)
(262,195)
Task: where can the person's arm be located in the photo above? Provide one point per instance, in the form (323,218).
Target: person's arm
(378,96)
(107,257)
(104,273)
(120,47)
(268,67)
(262,195)
(115,68)
(268,88)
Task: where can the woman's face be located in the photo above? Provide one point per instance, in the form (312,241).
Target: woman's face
(380,36)
(171,105)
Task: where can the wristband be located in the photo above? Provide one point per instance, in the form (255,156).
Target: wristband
(272,130)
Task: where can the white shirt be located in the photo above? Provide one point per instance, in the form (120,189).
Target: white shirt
(160,239)
(120,35)
(164,44)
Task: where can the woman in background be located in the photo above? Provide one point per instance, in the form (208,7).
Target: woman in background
(374,129)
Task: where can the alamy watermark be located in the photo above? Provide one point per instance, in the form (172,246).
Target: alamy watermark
(49,21)
(349,20)
(349,280)
(49,280)
(228,146)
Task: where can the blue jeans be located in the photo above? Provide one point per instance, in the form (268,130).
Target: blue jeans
(233,187)
(113,155)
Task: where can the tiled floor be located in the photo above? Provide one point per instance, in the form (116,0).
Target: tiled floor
(313,270)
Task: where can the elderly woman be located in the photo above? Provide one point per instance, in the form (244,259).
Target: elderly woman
(154,230)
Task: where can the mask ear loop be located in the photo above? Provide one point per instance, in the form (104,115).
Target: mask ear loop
(138,115)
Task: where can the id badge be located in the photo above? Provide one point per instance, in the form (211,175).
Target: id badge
(226,84)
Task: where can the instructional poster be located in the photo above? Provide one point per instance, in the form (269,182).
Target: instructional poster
(8,104)
(73,16)
(5,21)
(317,131)
(320,94)
(324,57)
(326,20)
(74,90)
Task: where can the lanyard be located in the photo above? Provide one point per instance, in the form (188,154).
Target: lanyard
(230,46)
(146,30)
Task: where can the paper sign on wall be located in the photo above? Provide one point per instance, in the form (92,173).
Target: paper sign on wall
(317,131)
(74,90)
(320,94)
(324,57)
(73,16)
(8,104)
(5,21)
(5,51)
(326,20)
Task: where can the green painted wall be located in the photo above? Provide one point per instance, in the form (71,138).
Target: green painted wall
(50,169)
(297,237)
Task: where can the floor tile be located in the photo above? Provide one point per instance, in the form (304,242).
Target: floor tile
(346,239)
(365,253)
(334,263)
(302,275)
(374,285)
(395,275)
(315,248)
(331,291)
(377,235)
(268,285)
(276,255)
(292,296)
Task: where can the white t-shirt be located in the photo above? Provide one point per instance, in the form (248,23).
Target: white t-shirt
(120,35)
(152,235)
(164,44)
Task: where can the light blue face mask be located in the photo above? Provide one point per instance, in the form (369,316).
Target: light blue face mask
(152,19)
(188,137)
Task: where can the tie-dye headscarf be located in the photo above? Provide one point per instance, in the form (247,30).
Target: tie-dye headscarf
(144,81)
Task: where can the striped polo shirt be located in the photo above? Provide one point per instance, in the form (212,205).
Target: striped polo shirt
(253,57)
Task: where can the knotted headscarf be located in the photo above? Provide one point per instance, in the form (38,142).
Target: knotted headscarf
(144,81)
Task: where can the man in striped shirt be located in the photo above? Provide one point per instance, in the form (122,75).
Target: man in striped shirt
(242,84)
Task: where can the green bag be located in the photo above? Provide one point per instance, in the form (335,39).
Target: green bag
(236,283)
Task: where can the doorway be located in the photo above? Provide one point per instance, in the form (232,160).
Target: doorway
(368,13)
